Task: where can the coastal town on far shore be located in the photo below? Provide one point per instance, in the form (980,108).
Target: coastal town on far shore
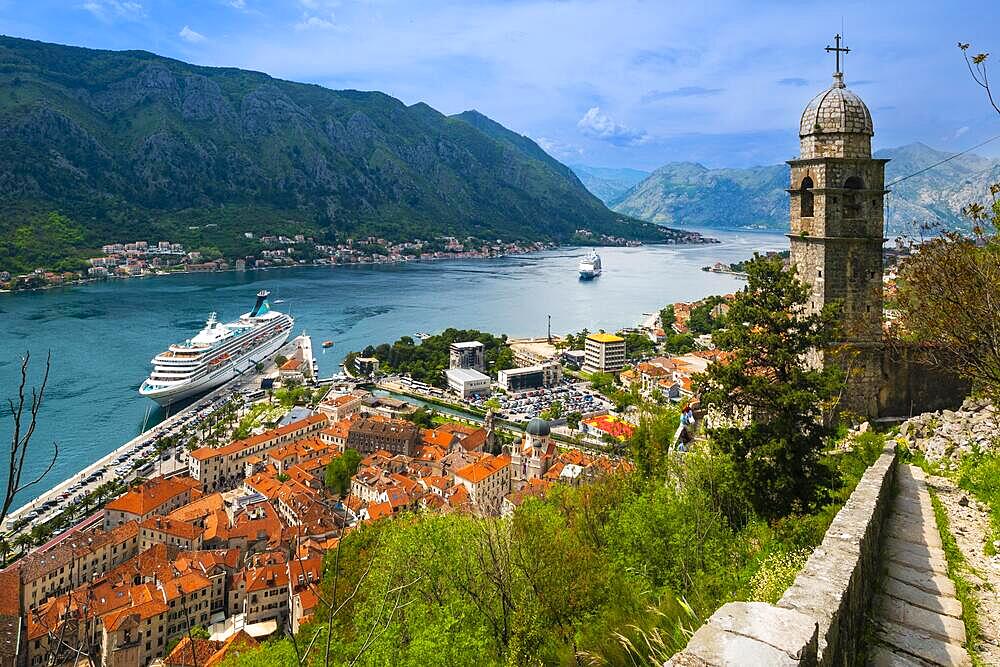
(218,520)
(148,258)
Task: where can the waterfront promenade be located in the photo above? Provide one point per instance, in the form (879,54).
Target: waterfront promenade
(86,481)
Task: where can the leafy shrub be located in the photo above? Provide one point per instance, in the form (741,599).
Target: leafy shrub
(776,573)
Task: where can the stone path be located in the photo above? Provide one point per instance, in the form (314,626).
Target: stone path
(970,525)
(916,618)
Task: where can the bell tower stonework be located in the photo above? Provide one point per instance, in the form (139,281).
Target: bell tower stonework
(837,231)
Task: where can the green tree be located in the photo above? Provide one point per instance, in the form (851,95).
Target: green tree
(603,382)
(667,317)
(340,470)
(679,343)
(703,316)
(422,417)
(638,344)
(956,327)
(573,419)
(554,411)
(773,398)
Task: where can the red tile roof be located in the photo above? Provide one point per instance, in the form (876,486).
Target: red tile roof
(203,453)
(485,467)
(152,494)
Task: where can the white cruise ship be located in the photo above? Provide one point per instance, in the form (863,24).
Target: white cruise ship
(217,354)
(590,266)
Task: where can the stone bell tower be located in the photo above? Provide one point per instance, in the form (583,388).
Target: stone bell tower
(837,230)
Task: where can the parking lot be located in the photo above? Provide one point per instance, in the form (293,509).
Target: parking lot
(524,405)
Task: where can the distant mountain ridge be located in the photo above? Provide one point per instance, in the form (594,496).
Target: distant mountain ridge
(686,194)
(607,183)
(131,145)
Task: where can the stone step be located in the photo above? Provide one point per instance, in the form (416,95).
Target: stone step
(941,604)
(922,645)
(932,582)
(917,533)
(895,545)
(913,508)
(918,562)
(884,656)
(946,628)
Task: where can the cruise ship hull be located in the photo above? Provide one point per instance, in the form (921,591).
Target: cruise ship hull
(589,274)
(187,389)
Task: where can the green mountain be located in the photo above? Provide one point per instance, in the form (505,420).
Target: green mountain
(934,197)
(688,194)
(607,182)
(685,194)
(131,145)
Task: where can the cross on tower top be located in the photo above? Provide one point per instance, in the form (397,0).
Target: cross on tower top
(838,50)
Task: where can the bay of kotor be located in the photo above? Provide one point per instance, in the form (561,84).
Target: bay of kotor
(102,336)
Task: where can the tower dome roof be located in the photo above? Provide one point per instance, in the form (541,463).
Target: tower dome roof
(836,110)
(538,427)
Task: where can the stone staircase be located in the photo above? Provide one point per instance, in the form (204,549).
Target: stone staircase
(915,617)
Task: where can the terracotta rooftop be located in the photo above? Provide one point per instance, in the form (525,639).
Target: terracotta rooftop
(203,453)
(173,527)
(292,364)
(199,509)
(266,577)
(149,496)
(485,467)
(207,652)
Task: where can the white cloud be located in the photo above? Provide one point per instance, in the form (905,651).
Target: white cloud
(960,131)
(107,10)
(559,149)
(238,4)
(599,125)
(314,22)
(189,35)
(317,15)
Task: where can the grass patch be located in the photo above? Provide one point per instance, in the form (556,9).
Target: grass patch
(979,474)
(958,567)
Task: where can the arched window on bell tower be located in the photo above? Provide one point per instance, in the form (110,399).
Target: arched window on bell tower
(806,198)
(852,200)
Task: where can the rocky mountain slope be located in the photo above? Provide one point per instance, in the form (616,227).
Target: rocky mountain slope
(688,194)
(134,145)
(607,182)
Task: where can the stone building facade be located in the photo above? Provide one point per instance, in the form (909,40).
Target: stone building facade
(396,436)
(837,232)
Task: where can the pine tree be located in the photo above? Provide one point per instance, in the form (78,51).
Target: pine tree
(773,399)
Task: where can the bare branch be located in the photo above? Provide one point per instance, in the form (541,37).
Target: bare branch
(20,442)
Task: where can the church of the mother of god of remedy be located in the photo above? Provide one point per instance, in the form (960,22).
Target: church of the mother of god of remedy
(836,238)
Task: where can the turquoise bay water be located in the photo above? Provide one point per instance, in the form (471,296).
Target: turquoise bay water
(102,336)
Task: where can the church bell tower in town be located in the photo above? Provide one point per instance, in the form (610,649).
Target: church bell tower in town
(837,230)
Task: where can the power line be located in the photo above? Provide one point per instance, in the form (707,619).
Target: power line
(941,162)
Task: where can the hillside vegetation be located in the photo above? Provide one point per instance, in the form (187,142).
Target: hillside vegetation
(130,145)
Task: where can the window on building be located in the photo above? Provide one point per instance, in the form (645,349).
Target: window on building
(806,198)
(852,201)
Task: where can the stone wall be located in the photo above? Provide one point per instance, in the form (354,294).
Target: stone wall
(820,618)
(911,387)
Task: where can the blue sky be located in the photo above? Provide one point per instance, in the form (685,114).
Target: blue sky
(614,83)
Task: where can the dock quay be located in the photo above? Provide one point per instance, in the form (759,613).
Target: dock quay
(51,503)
